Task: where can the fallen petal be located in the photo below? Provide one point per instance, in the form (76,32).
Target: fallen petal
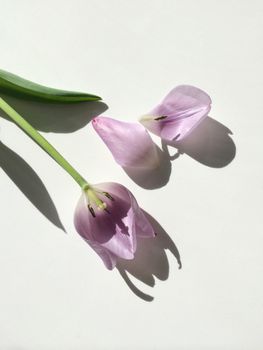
(179,113)
(130,143)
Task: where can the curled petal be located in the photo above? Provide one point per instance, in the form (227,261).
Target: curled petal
(130,143)
(112,229)
(179,113)
(143,226)
(109,259)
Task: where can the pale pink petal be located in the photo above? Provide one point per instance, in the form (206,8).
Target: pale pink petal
(112,229)
(130,143)
(107,257)
(143,226)
(112,233)
(179,113)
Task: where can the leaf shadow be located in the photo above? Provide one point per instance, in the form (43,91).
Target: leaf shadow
(47,117)
(150,260)
(29,183)
(55,117)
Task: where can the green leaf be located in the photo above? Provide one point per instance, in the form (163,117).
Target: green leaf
(11,84)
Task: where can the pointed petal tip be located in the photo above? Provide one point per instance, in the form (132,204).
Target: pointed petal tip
(95,120)
(110,265)
(102,125)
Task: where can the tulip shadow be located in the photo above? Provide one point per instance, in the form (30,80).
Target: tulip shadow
(29,183)
(152,178)
(55,117)
(209,144)
(150,260)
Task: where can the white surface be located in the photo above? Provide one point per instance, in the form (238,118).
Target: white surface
(55,292)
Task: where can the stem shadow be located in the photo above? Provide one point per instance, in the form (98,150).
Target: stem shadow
(29,183)
(55,117)
(150,260)
(47,117)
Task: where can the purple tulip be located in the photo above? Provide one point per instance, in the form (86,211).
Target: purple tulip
(179,113)
(130,143)
(109,219)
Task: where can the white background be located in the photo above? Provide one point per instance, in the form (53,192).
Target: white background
(55,292)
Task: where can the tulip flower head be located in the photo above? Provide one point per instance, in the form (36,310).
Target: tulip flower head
(109,219)
(178,114)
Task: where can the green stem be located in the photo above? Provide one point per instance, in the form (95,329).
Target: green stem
(43,143)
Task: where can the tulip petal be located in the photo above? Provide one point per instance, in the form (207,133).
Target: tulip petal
(112,232)
(130,143)
(109,259)
(179,113)
(114,229)
(143,226)
(126,229)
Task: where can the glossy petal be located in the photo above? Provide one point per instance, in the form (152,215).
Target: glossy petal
(109,259)
(112,233)
(179,113)
(143,226)
(130,143)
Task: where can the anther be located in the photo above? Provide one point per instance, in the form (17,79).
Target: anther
(91,210)
(160,118)
(176,137)
(108,196)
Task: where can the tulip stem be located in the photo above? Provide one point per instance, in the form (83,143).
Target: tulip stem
(43,143)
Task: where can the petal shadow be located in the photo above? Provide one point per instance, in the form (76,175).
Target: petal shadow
(210,144)
(27,180)
(150,260)
(54,117)
(152,178)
